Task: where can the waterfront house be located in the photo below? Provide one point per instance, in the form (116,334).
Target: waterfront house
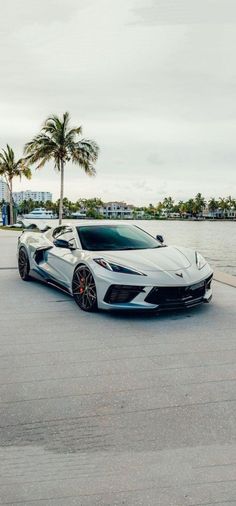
(114,210)
(220,213)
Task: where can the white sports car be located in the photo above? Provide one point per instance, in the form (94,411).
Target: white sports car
(109,266)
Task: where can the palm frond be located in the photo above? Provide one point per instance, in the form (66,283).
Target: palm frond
(90,147)
(66,120)
(82,160)
(57,127)
(7,155)
(72,133)
(26,172)
(85,153)
(10,168)
(43,160)
(41,147)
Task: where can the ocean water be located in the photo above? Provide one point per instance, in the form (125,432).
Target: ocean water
(216,240)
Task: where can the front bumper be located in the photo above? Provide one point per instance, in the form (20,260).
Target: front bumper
(140,297)
(181,297)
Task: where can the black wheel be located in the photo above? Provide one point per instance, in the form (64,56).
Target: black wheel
(84,289)
(23,265)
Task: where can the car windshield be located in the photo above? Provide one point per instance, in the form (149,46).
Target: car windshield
(115,237)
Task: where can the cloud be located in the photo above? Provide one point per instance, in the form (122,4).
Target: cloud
(152,82)
(182,12)
(154,159)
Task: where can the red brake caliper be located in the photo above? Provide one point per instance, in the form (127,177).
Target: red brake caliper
(81,290)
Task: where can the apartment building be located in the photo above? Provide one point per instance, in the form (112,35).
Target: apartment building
(4,191)
(31,195)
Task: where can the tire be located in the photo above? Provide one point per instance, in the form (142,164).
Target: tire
(23,264)
(84,289)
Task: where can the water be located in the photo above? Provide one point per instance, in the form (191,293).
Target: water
(216,240)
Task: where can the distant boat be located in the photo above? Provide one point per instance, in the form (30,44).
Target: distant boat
(40,213)
(198,218)
(78,214)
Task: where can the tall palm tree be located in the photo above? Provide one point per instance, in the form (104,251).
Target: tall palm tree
(190,207)
(182,208)
(168,204)
(60,143)
(200,203)
(213,205)
(11,168)
(224,206)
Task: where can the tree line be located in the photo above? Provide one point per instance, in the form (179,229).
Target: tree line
(193,207)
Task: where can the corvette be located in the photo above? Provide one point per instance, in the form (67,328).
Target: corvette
(115,266)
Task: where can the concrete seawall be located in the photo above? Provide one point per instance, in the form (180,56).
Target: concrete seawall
(101,409)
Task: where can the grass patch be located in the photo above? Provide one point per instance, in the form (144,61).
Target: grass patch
(17,229)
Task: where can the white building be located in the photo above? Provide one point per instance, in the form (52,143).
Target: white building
(4,191)
(31,195)
(232,213)
(219,213)
(119,210)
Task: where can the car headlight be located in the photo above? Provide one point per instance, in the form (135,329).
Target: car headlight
(116,268)
(200,261)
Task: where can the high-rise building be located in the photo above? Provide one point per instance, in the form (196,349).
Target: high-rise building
(31,195)
(4,191)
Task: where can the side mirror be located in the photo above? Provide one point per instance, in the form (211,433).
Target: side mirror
(62,243)
(160,238)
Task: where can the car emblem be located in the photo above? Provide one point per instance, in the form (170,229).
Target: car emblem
(180,274)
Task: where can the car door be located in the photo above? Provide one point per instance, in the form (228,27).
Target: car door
(61,261)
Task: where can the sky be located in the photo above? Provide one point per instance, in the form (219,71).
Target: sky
(152,81)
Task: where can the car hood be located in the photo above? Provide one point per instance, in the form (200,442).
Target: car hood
(168,258)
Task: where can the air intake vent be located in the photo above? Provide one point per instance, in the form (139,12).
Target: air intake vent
(118,294)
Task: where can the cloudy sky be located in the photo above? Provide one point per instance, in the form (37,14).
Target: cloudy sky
(152,81)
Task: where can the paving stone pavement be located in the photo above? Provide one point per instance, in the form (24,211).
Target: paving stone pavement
(102,409)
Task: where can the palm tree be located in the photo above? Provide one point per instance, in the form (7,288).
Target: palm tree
(168,204)
(213,205)
(231,203)
(224,206)
(190,207)
(60,143)
(182,208)
(200,203)
(234,204)
(11,168)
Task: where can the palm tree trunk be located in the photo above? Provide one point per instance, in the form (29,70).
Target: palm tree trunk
(61,193)
(11,202)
